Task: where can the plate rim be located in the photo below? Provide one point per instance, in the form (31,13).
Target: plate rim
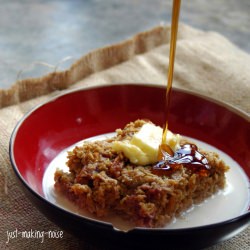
(228,106)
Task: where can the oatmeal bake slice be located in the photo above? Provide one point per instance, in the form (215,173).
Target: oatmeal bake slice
(103,180)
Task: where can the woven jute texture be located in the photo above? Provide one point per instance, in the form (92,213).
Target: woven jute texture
(206,63)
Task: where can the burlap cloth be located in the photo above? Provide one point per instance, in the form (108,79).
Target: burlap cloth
(206,62)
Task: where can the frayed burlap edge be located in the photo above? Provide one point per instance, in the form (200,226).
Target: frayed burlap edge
(94,61)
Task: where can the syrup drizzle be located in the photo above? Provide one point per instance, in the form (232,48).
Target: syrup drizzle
(174,31)
(188,154)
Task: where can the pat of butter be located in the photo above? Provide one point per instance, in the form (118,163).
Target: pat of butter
(143,147)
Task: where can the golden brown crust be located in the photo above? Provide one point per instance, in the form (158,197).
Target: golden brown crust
(101,180)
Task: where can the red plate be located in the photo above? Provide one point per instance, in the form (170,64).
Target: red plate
(79,114)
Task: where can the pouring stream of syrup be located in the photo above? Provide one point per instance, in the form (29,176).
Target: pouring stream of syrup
(174,31)
(187,155)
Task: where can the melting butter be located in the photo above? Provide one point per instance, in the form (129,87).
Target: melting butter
(143,147)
